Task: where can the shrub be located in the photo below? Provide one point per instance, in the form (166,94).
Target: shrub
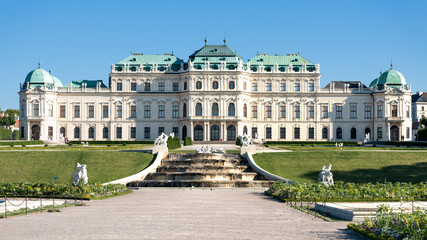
(114,142)
(174,143)
(23,145)
(124,144)
(21,142)
(70,144)
(238,141)
(422,135)
(321,143)
(11,145)
(188,141)
(46,145)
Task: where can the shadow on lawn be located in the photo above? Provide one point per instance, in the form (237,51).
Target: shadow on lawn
(414,173)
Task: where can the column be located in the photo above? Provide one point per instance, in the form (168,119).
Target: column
(28,135)
(191,131)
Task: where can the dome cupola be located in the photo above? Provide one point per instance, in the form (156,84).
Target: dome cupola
(40,77)
(391,78)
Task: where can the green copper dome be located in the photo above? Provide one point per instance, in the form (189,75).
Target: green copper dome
(40,77)
(373,83)
(391,78)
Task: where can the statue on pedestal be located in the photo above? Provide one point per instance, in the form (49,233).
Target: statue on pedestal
(80,174)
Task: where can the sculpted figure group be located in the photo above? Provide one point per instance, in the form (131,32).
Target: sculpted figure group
(325,176)
(80,174)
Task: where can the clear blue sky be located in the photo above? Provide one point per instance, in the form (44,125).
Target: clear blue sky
(352,40)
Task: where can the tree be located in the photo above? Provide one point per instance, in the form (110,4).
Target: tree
(424,121)
(8,118)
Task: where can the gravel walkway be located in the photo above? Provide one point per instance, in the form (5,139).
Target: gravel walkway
(177,214)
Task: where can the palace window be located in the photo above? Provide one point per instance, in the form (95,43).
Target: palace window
(161,111)
(339,133)
(175,111)
(215,109)
(245,110)
(353,133)
(184,110)
(175,131)
(311,87)
(105,132)
(394,110)
(268,132)
(296,133)
(161,130)
(254,87)
(132,132)
(161,86)
(283,87)
(254,111)
(76,132)
(50,110)
(119,132)
(408,132)
(324,111)
(76,111)
(407,111)
(296,112)
(282,132)
(119,86)
(268,87)
(91,111)
(380,132)
(22,112)
(91,132)
(380,111)
(297,87)
(338,111)
(231,110)
(254,132)
(36,109)
(132,111)
(310,111)
(198,85)
(147,132)
(119,111)
(147,87)
(325,133)
(311,132)
(367,112)
(175,87)
(185,85)
(244,85)
(215,85)
(199,109)
(282,111)
(231,85)
(353,111)
(147,112)
(105,111)
(133,86)
(268,112)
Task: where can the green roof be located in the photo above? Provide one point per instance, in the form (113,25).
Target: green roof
(373,83)
(264,59)
(89,84)
(138,58)
(214,51)
(391,78)
(40,77)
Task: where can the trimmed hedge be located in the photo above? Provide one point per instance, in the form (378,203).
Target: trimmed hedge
(112,142)
(422,134)
(7,134)
(188,141)
(238,141)
(174,143)
(421,144)
(346,143)
(38,142)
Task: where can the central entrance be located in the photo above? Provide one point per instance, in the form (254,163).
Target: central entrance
(35,132)
(214,133)
(394,133)
(198,133)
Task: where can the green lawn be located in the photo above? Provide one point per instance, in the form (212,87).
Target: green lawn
(348,166)
(43,166)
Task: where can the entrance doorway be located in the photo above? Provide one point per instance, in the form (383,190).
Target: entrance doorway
(214,133)
(394,133)
(184,132)
(198,133)
(35,132)
(231,133)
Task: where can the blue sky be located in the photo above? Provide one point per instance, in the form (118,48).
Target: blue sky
(352,40)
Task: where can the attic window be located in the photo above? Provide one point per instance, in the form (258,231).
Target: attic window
(132,60)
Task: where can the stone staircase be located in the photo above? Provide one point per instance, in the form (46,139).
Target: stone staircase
(203,170)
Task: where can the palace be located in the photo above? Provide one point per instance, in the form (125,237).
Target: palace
(215,96)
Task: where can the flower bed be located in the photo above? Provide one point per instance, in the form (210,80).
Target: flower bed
(350,191)
(87,191)
(389,225)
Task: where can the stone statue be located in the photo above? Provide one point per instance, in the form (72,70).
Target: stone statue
(246,140)
(161,140)
(172,135)
(207,149)
(325,176)
(80,174)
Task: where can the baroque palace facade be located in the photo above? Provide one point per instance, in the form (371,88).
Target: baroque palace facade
(215,96)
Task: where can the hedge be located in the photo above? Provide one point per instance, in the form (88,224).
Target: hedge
(7,134)
(188,141)
(422,134)
(112,142)
(421,144)
(346,143)
(238,141)
(37,142)
(174,143)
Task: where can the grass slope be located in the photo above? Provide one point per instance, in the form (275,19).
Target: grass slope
(43,166)
(347,166)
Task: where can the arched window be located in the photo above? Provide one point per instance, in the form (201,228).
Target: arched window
(353,133)
(198,85)
(105,132)
(245,110)
(184,110)
(231,110)
(184,132)
(62,131)
(91,132)
(198,109)
(215,84)
(76,132)
(339,133)
(214,133)
(244,85)
(215,109)
(231,133)
(245,130)
(198,133)
(325,133)
(231,85)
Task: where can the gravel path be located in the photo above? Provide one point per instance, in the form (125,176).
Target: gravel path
(177,214)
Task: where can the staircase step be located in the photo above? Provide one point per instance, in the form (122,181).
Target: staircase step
(202,169)
(201,162)
(202,183)
(200,176)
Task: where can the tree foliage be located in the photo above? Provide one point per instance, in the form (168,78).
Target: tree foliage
(8,118)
